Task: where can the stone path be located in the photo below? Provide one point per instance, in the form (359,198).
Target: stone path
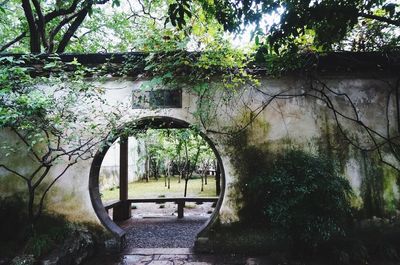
(164,232)
(162,240)
(177,256)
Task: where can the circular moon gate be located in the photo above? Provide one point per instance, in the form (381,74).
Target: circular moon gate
(157,122)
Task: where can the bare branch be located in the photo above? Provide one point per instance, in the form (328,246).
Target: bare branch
(44,194)
(13,171)
(35,172)
(41,178)
(27,144)
(9,44)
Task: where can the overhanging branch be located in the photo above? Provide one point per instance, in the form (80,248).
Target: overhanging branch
(382,19)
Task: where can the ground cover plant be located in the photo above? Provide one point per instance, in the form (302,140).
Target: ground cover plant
(51,232)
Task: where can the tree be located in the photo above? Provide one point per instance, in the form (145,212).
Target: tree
(105,25)
(42,114)
(206,159)
(95,26)
(327,21)
(51,25)
(182,147)
(191,144)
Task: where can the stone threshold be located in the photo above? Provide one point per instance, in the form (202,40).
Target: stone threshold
(158,251)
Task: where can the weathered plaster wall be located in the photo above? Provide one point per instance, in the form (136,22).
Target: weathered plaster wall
(109,172)
(303,122)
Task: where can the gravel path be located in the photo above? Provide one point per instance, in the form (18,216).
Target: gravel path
(162,232)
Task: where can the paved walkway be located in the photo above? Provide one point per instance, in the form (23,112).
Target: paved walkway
(176,256)
(162,240)
(164,232)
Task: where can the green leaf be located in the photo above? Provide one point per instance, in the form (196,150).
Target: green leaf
(116,3)
(50,65)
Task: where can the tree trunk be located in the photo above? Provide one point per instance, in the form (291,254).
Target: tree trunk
(72,29)
(31,215)
(218,180)
(33,30)
(156,170)
(169,172)
(202,182)
(186,183)
(147,168)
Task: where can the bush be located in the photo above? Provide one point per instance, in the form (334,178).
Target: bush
(12,225)
(302,198)
(16,236)
(12,217)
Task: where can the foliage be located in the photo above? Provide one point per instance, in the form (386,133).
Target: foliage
(370,35)
(48,25)
(41,113)
(13,221)
(97,26)
(183,150)
(14,236)
(302,198)
(94,26)
(323,22)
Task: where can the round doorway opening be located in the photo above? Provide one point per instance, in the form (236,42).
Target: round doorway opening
(159,185)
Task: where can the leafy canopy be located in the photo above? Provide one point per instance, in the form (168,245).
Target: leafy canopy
(162,25)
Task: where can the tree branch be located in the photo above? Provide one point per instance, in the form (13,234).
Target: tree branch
(41,24)
(379,18)
(27,144)
(38,213)
(57,29)
(34,36)
(61,12)
(9,44)
(13,171)
(4,3)
(72,29)
(41,178)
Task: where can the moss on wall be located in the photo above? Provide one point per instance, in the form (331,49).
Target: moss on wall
(251,152)
(380,187)
(391,190)
(333,144)
(69,204)
(372,185)
(10,184)
(379,192)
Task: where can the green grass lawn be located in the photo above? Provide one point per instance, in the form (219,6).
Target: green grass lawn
(154,189)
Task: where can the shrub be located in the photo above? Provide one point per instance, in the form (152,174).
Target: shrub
(39,244)
(302,198)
